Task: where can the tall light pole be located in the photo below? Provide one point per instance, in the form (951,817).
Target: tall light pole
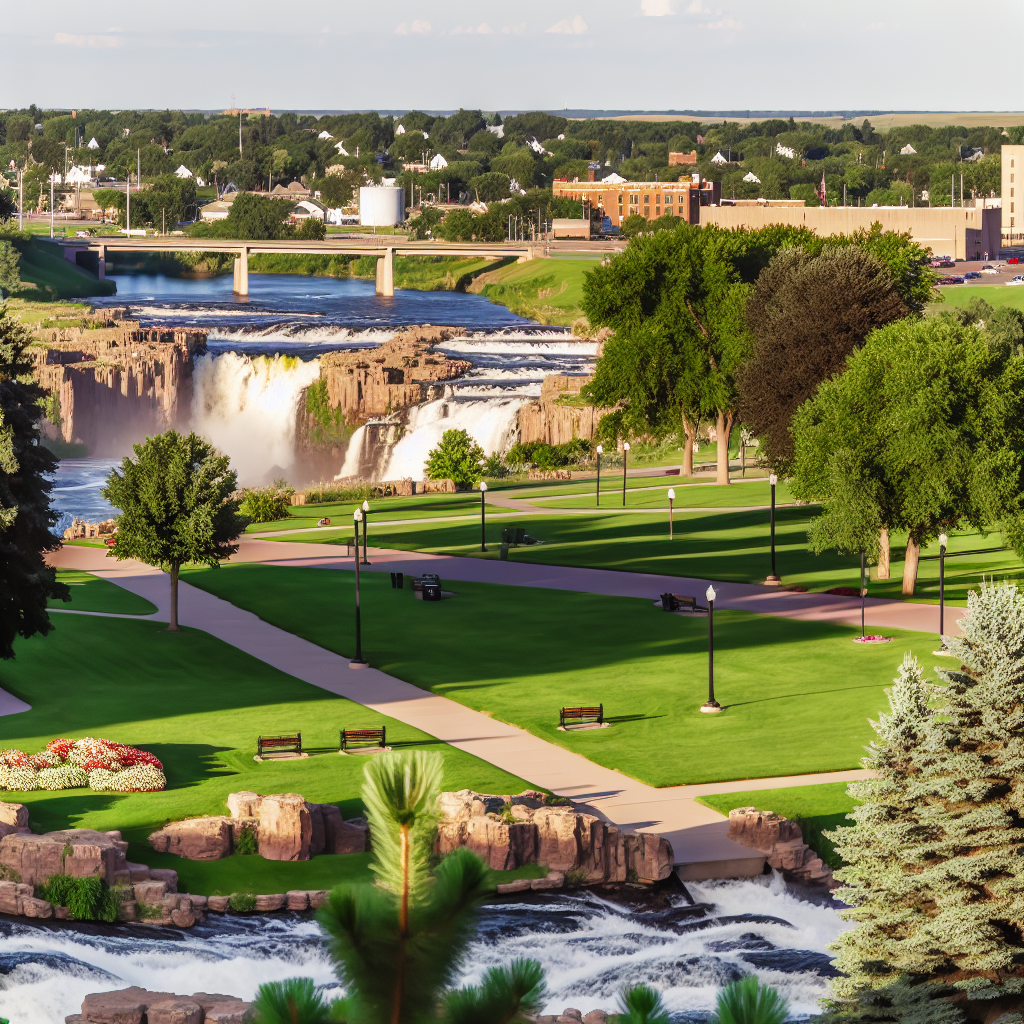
(943,542)
(51,204)
(671,498)
(863,594)
(625,459)
(483,525)
(358,661)
(600,452)
(711,707)
(366,522)
(773,580)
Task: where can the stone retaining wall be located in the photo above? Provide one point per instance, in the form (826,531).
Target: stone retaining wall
(782,843)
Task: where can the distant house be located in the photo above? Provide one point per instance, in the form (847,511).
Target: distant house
(718,158)
(752,178)
(78,176)
(787,151)
(93,144)
(325,135)
(971,154)
(340,147)
(306,208)
(682,159)
(294,190)
(183,172)
(499,130)
(614,179)
(908,150)
(538,148)
(218,210)
(438,163)
(400,130)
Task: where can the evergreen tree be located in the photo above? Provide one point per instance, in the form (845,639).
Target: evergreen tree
(26,518)
(936,858)
(176,506)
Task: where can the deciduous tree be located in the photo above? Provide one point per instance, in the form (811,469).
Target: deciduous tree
(456,458)
(176,506)
(26,517)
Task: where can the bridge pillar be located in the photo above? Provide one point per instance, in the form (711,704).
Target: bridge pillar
(102,272)
(386,274)
(241,282)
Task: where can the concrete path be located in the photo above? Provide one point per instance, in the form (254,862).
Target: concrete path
(697,833)
(879,614)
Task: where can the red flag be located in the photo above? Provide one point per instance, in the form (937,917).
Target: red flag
(821,191)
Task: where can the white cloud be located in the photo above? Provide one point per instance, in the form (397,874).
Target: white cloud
(516,30)
(402,30)
(656,8)
(326,30)
(727,24)
(93,42)
(420,27)
(485,30)
(482,30)
(696,7)
(576,27)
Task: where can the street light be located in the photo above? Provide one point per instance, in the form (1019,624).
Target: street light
(773,580)
(863,594)
(943,542)
(671,498)
(600,452)
(483,492)
(712,707)
(366,523)
(358,661)
(625,457)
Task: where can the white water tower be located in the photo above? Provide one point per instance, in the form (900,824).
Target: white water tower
(381,206)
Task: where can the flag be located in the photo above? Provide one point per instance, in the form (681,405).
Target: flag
(821,191)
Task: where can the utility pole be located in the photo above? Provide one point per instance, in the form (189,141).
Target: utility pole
(21,198)
(128,205)
(51,204)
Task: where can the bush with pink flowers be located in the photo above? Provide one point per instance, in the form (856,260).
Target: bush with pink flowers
(68,764)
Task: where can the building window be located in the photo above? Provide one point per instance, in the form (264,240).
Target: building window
(647,200)
(668,200)
(634,200)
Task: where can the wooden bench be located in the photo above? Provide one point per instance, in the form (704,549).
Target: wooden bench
(373,737)
(680,602)
(279,744)
(582,715)
(514,535)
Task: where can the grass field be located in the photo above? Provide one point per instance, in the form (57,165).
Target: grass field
(91,594)
(198,705)
(520,654)
(818,809)
(656,495)
(994,295)
(729,546)
(548,291)
(50,276)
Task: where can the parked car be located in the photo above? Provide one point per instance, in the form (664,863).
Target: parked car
(972,275)
(1013,259)
(946,263)
(990,270)
(950,279)
(1019,279)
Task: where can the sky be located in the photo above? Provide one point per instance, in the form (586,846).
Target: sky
(527,55)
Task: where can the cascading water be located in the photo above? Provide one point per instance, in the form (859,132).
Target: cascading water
(246,408)
(589,949)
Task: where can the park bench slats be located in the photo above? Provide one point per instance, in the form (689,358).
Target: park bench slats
(680,602)
(279,744)
(368,737)
(582,714)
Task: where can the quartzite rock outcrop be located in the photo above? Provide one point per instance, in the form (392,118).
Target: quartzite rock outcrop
(112,381)
(781,841)
(560,837)
(140,1006)
(544,419)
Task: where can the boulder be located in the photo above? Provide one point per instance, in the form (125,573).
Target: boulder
(317,842)
(218,904)
(175,1010)
(16,816)
(780,840)
(31,907)
(79,852)
(265,903)
(297,899)
(11,896)
(318,897)
(558,838)
(595,1017)
(194,838)
(151,892)
(168,875)
(127,1006)
(139,1006)
(333,826)
(244,804)
(285,827)
(650,856)
(223,1009)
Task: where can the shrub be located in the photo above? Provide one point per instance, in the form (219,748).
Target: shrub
(265,504)
(63,777)
(574,879)
(549,456)
(20,780)
(247,843)
(242,902)
(87,899)
(143,778)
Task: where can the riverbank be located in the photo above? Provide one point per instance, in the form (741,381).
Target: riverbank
(46,276)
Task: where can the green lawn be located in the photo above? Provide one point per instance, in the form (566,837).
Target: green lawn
(730,546)
(548,291)
(746,494)
(199,705)
(994,294)
(91,594)
(520,654)
(50,276)
(817,808)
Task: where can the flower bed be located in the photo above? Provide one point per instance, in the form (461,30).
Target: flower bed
(71,764)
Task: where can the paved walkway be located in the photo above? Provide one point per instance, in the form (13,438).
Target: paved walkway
(697,833)
(879,613)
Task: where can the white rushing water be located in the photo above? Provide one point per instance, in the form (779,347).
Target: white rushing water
(589,948)
(246,408)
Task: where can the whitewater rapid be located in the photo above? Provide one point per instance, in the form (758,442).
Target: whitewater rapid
(589,949)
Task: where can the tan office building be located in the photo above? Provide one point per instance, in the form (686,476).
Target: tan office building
(651,199)
(1013,222)
(967,233)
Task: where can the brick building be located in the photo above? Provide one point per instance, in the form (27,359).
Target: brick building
(650,199)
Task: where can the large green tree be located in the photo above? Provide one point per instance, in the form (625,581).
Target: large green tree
(807,315)
(177,506)
(922,432)
(935,859)
(457,457)
(26,517)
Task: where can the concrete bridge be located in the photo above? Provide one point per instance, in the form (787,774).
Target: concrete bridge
(82,251)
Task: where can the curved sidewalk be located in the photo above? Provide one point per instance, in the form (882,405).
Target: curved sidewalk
(697,833)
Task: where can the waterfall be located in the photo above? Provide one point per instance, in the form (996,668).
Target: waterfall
(491,422)
(246,408)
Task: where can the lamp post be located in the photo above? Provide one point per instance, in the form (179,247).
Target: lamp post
(671,498)
(943,541)
(358,661)
(863,594)
(625,458)
(600,452)
(711,707)
(483,494)
(366,522)
(773,580)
